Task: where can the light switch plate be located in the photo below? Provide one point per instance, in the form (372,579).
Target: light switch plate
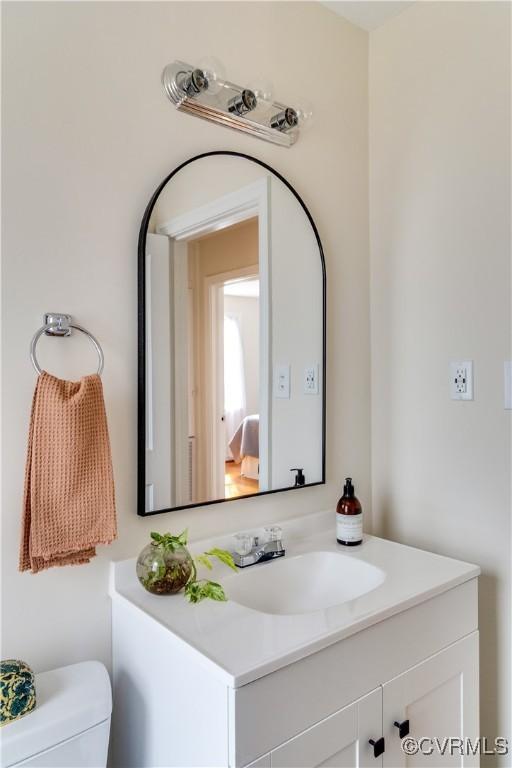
(461,379)
(282,381)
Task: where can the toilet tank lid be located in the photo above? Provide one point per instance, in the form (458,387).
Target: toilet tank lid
(69,700)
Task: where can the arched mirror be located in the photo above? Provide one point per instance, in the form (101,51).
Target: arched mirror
(231,337)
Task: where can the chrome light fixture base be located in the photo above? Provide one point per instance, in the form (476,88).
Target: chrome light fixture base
(215,106)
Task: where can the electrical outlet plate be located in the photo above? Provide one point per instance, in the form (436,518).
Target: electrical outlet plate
(311,380)
(461,379)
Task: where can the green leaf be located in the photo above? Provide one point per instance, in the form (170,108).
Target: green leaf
(169,541)
(195,591)
(192,591)
(204,560)
(214,591)
(222,555)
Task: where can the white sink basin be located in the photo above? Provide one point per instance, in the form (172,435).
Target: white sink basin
(304,583)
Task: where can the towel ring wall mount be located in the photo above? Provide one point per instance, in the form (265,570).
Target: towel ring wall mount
(57,324)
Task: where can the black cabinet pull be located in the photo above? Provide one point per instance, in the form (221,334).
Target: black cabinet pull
(403,728)
(378,746)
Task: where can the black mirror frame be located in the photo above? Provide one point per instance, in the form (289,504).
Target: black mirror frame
(141,403)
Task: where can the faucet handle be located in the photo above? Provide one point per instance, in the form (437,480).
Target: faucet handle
(274,533)
(243,543)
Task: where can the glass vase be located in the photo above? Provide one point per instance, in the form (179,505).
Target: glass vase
(164,570)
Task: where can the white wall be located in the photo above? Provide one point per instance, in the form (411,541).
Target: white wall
(296,282)
(441,291)
(87,135)
(246,309)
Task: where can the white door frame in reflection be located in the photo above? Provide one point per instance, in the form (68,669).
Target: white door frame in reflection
(252,200)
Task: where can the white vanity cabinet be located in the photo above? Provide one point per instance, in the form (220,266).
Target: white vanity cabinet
(223,685)
(436,697)
(322,710)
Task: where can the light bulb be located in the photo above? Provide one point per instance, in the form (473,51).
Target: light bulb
(214,71)
(305,115)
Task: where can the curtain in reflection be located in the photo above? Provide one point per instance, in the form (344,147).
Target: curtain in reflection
(234,378)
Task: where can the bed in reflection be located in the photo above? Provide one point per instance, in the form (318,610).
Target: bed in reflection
(244,447)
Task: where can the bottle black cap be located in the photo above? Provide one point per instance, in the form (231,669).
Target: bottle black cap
(300,478)
(348,489)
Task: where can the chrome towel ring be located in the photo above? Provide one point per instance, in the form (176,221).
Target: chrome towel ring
(56,324)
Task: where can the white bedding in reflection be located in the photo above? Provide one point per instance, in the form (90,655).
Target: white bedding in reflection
(246,439)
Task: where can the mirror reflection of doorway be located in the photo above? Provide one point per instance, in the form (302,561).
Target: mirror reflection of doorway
(209,223)
(225,353)
(241,386)
(213,218)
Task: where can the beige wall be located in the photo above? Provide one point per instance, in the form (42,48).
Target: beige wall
(440,291)
(229,249)
(88,134)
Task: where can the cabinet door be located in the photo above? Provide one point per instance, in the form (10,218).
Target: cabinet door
(439,698)
(339,741)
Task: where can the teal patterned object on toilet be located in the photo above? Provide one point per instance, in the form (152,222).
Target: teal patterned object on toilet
(17,690)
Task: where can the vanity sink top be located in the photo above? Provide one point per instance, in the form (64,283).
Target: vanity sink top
(304,583)
(283,610)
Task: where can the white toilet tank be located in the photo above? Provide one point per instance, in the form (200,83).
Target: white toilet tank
(69,728)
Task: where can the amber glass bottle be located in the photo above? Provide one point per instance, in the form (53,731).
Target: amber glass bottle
(349,517)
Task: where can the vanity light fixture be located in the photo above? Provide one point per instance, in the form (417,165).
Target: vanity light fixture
(192,83)
(243,103)
(285,120)
(203,91)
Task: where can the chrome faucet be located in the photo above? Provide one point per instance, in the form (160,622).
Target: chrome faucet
(249,550)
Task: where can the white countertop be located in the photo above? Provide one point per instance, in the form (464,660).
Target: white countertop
(240,645)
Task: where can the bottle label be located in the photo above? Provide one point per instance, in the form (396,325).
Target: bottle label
(349,527)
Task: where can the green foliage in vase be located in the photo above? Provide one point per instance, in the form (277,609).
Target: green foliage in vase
(195,589)
(169,541)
